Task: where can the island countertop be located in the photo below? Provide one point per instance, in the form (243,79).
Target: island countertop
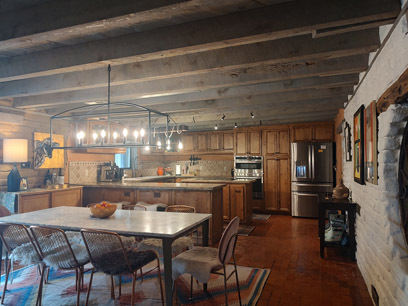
(218,180)
(156,186)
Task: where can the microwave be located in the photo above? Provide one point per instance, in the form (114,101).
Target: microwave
(109,174)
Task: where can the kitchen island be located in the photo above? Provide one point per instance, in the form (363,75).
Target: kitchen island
(206,198)
(237,196)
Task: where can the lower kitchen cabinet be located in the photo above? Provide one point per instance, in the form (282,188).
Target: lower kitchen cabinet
(38,199)
(237,196)
(226,202)
(154,196)
(119,195)
(277,184)
(237,201)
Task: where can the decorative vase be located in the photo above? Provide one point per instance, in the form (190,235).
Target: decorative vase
(340,191)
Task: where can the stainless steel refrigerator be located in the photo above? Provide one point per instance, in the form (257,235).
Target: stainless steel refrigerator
(312,174)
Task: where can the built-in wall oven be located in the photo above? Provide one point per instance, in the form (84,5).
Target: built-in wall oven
(250,167)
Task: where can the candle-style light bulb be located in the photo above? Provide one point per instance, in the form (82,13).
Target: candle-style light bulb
(80,137)
(115,135)
(142,132)
(180,145)
(147,148)
(136,134)
(159,144)
(125,133)
(94,136)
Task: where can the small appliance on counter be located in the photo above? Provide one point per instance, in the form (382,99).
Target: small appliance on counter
(178,170)
(108,172)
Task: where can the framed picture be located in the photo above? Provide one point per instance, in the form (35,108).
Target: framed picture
(347,141)
(358,136)
(23,183)
(41,158)
(370,140)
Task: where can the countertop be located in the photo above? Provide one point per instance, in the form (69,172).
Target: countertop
(156,186)
(51,188)
(218,180)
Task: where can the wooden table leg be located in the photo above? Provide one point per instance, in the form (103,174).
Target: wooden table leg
(168,279)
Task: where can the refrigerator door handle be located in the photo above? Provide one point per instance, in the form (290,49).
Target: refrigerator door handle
(313,162)
(305,194)
(310,162)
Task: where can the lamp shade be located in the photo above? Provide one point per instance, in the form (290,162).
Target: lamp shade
(15,150)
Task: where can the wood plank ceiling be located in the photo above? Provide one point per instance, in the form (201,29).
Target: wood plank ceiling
(284,61)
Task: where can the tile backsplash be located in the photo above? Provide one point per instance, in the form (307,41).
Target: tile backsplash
(81,172)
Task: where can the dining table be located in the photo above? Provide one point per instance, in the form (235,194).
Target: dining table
(145,224)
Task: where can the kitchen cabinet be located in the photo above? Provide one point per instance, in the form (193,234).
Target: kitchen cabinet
(154,196)
(247,142)
(119,195)
(228,141)
(277,184)
(188,142)
(215,141)
(237,196)
(226,202)
(70,197)
(202,142)
(38,199)
(313,132)
(33,202)
(276,142)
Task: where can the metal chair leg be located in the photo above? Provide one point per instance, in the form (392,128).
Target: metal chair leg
(120,286)
(191,287)
(160,280)
(89,287)
(7,265)
(40,287)
(236,276)
(112,288)
(225,286)
(132,299)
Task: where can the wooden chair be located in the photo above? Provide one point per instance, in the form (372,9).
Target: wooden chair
(181,208)
(110,257)
(56,251)
(200,262)
(17,239)
(139,207)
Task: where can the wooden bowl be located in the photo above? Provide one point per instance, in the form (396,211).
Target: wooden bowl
(100,211)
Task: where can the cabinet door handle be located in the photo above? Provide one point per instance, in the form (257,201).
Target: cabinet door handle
(238,191)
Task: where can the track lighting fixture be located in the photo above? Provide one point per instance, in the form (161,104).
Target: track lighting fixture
(252,115)
(235,125)
(216,127)
(223,117)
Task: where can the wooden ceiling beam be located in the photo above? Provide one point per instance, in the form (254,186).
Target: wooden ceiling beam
(249,27)
(136,92)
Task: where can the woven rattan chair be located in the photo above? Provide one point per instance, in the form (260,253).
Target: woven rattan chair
(180,244)
(57,252)
(139,207)
(110,257)
(17,239)
(200,262)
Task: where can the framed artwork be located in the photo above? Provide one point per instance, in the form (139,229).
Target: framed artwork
(347,141)
(23,183)
(370,140)
(358,136)
(41,158)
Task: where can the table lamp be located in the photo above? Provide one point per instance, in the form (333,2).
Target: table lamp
(14,151)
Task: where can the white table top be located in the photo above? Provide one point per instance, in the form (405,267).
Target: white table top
(128,222)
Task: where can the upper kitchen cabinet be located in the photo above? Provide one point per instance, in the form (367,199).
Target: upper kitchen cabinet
(228,141)
(188,142)
(247,142)
(313,132)
(275,142)
(202,144)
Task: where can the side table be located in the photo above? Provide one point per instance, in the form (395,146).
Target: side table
(343,205)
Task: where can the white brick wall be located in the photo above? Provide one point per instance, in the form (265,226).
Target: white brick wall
(382,254)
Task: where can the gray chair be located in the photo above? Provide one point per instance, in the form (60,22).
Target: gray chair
(201,262)
(109,256)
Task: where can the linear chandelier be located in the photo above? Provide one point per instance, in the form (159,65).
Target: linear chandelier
(116,125)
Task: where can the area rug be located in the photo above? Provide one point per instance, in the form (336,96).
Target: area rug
(260,217)
(61,289)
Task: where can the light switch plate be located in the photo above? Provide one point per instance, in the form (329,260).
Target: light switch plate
(26,165)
